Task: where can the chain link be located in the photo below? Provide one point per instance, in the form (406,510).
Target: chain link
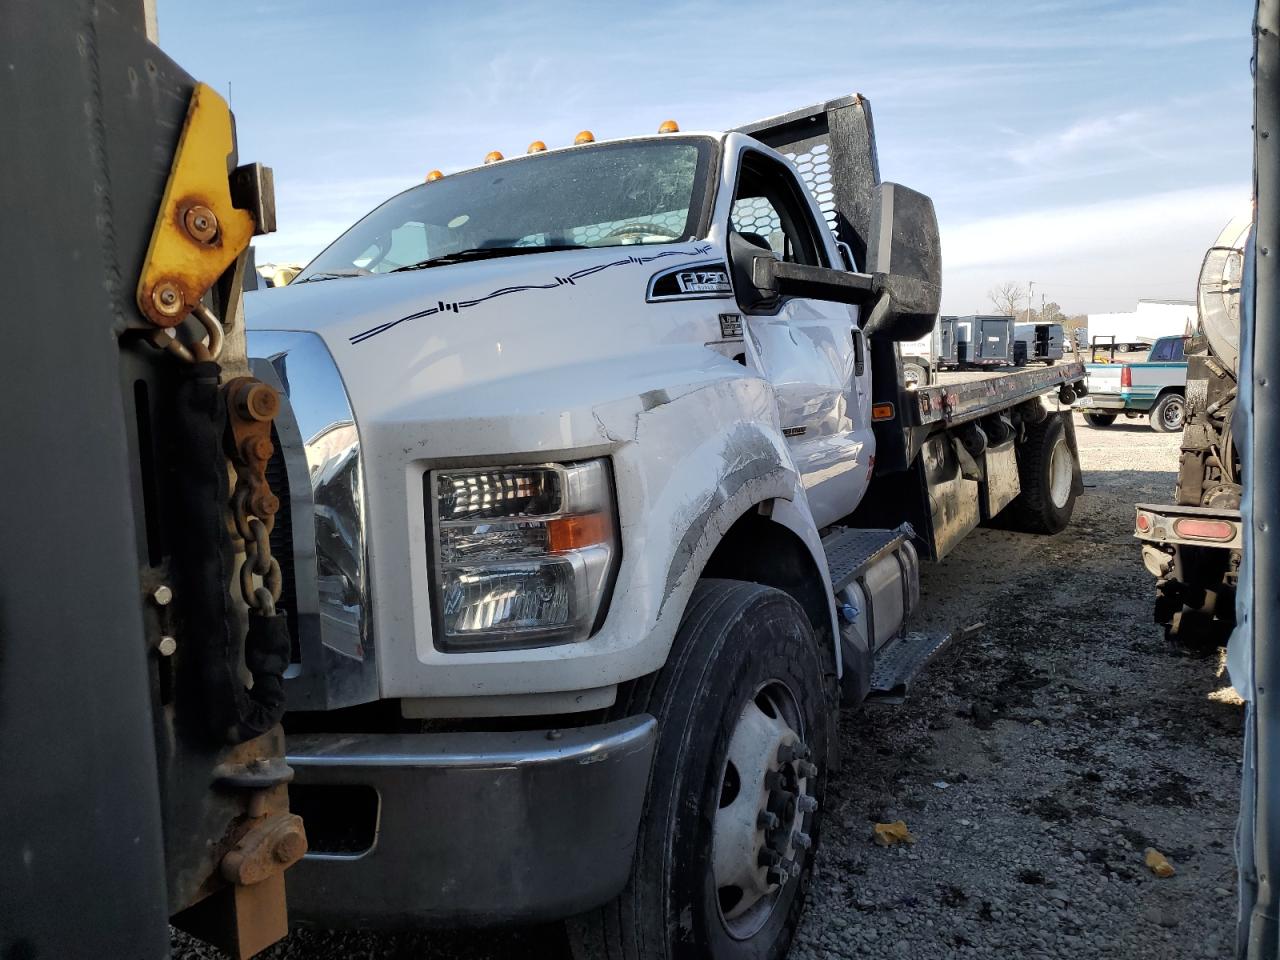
(258,561)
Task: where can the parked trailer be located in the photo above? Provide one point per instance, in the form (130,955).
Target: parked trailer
(984,340)
(593,526)
(1038,342)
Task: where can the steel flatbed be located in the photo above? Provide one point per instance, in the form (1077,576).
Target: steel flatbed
(961,396)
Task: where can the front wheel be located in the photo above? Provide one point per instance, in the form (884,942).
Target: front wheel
(733,810)
(914,375)
(1169,413)
(1099,419)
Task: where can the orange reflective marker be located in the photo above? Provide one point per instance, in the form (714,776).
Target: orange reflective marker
(586,136)
(536,147)
(433,176)
(493,156)
(882,411)
(570,533)
(669,126)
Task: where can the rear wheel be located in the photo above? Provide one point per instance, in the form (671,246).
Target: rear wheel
(732,815)
(1049,476)
(1169,413)
(1099,419)
(914,375)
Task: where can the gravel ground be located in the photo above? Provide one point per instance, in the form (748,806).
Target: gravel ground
(1034,766)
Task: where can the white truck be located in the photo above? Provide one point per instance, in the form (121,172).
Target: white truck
(605,493)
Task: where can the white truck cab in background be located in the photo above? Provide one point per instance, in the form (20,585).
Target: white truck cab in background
(604,492)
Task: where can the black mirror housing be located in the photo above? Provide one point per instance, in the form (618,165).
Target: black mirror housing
(904,247)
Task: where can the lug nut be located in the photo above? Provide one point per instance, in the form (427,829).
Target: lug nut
(162,595)
(807,804)
(806,769)
(786,753)
(775,875)
(768,857)
(767,820)
(802,840)
(167,646)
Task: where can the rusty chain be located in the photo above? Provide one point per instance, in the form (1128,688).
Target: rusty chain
(258,561)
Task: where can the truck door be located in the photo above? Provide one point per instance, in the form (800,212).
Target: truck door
(809,349)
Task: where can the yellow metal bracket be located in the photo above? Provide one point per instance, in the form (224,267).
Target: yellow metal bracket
(199,231)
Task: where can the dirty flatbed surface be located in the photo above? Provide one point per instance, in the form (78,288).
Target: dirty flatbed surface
(1033,766)
(962,395)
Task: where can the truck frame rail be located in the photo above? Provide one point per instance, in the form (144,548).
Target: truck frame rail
(959,402)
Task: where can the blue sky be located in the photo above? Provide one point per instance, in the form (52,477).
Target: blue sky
(1094,148)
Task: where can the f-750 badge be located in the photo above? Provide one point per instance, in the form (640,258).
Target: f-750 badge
(703,281)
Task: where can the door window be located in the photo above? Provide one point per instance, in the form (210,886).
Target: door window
(769,211)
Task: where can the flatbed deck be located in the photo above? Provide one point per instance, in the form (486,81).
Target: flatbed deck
(963,395)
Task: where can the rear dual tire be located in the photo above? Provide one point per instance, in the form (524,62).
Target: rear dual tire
(1099,419)
(743,652)
(1049,475)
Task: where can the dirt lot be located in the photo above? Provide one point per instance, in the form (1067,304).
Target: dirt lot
(1034,766)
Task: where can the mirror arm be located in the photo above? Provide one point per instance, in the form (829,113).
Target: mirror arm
(776,278)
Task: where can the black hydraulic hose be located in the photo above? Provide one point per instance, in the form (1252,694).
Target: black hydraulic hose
(203,559)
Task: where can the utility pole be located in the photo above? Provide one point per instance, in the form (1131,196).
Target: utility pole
(1030,285)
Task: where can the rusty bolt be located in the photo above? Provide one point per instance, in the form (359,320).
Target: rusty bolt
(264,505)
(201,224)
(257,449)
(167,298)
(257,401)
(288,848)
(162,595)
(167,646)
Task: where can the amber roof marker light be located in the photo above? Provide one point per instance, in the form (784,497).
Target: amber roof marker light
(434,175)
(668,126)
(586,136)
(493,156)
(536,147)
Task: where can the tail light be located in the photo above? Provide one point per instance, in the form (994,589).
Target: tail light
(1126,376)
(1196,529)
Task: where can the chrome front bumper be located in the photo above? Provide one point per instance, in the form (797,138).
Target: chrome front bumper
(469,828)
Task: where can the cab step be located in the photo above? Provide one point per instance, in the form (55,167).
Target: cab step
(850,550)
(899,662)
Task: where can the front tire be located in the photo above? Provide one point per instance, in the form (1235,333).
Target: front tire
(1100,419)
(914,375)
(1169,413)
(1049,476)
(733,810)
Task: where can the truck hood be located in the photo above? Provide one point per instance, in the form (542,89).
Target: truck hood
(542,331)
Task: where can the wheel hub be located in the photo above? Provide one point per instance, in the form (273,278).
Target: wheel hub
(760,832)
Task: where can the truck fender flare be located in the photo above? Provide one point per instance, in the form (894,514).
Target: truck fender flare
(778,495)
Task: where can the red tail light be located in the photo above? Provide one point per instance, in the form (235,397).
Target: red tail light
(1126,376)
(1192,529)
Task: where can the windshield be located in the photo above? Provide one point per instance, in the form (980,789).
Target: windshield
(647,191)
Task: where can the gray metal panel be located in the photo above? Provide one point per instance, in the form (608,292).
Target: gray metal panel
(901,661)
(80,180)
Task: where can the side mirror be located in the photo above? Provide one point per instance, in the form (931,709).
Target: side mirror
(903,246)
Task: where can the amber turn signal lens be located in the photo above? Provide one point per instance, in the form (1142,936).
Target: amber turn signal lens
(586,136)
(572,533)
(433,176)
(669,126)
(536,147)
(493,156)
(882,411)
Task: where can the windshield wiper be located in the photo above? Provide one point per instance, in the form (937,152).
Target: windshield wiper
(332,275)
(485,253)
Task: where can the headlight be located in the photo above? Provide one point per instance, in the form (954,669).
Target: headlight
(523,556)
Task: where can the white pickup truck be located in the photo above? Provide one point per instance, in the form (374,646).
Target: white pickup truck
(603,493)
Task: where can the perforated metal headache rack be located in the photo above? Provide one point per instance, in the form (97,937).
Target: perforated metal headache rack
(833,145)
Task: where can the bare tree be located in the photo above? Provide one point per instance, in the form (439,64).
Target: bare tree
(1006,298)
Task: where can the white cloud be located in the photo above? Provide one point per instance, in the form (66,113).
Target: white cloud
(1093,256)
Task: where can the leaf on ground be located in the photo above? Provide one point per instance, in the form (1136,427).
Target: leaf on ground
(887,834)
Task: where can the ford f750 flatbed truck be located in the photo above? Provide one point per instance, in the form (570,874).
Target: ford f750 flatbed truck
(604,494)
